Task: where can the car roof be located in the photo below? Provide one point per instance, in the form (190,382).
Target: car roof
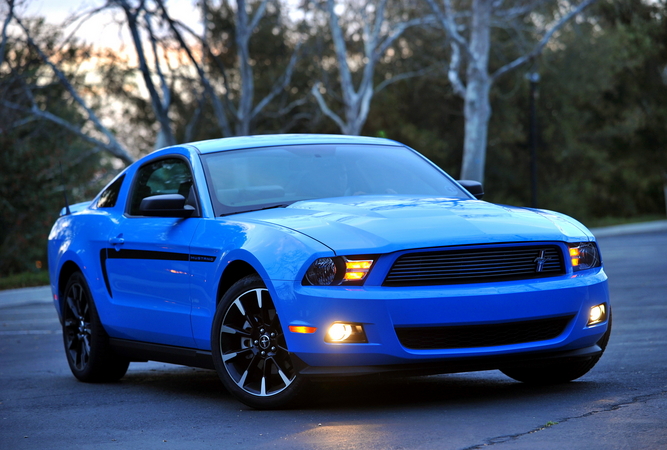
(271,140)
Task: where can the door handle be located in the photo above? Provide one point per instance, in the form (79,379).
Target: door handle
(117,241)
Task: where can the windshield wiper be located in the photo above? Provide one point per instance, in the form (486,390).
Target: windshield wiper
(280,205)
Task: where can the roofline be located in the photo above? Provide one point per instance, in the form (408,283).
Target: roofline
(271,140)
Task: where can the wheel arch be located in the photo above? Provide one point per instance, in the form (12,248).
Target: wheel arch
(234,271)
(66,271)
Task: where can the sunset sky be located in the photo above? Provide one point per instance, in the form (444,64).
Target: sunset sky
(99,30)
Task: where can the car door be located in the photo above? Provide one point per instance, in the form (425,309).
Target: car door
(148,263)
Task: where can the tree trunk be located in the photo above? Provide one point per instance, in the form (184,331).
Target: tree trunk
(477,109)
(243,33)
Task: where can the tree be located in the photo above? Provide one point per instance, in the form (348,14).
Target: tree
(469,33)
(604,106)
(39,154)
(373,32)
(100,136)
(234,105)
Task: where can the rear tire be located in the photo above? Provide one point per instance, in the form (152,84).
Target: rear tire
(559,371)
(249,349)
(86,343)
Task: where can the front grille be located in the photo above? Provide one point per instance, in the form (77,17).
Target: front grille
(469,336)
(478,265)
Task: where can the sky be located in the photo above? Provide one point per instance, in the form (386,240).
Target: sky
(99,30)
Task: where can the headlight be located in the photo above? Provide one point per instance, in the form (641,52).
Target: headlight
(351,270)
(584,256)
(323,272)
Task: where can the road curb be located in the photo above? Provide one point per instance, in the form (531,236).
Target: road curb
(632,228)
(25,296)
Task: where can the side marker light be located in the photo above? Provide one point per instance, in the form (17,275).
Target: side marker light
(302,329)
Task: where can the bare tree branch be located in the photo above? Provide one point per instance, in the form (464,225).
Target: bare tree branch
(8,19)
(404,76)
(323,106)
(36,112)
(378,36)
(113,146)
(280,85)
(545,39)
(218,108)
(517,11)
(160,111)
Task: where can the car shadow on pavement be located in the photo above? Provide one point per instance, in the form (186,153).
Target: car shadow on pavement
(355,393)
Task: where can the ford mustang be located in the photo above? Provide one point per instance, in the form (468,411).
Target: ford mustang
(280,260)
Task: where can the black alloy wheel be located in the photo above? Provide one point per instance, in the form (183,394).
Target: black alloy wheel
(249,348)
(86,343)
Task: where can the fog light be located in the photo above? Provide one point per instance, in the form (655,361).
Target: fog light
(348,333)
(340,331)
(597,314)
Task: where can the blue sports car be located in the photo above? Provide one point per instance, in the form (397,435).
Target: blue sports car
(278,260)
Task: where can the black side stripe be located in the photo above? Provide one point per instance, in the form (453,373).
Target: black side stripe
(146,254)
(103,263)
(111,253)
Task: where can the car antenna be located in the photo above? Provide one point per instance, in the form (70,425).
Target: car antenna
(62,178)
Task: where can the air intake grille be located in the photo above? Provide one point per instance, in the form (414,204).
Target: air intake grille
(480,265)
(430,338)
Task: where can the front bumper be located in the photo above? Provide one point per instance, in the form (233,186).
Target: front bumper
(381,310)
(453,365)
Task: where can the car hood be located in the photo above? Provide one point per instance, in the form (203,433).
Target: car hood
(383,224)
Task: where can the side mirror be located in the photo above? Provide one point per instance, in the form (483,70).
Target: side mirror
(166,205)
(474,187)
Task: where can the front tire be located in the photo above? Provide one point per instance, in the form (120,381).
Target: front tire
(560,371)
(86,343)
(249,349)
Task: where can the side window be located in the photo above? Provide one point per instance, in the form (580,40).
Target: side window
(166,176)
(109,196)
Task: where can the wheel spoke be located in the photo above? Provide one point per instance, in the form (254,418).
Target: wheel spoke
(79,354)
(232,330)
(247,376)
(286,380)
(238,304)
(258,293)
(241,382)
(233,354)
(85,314)
(72,306)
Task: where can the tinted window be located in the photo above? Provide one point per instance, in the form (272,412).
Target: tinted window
(244,180)
(109,196)
(166,176)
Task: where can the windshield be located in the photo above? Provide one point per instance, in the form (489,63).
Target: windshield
(252,179)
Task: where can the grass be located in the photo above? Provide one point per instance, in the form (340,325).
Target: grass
(25,279)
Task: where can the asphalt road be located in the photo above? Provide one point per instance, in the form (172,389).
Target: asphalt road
(620,404)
